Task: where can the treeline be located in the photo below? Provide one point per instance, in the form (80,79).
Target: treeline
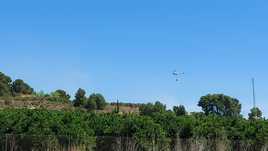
(21,90)
(220,119)
(13,88)
(217,104)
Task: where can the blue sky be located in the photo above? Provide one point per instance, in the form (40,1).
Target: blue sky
(127,50)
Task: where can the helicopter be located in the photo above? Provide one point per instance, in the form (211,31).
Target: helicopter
(177,75)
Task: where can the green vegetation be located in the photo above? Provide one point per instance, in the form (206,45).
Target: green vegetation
(220,104)
(97,99)
(80,98)
(150,109)
(255,113)
(154,125)
(91,105)
(19,87)
(59,96)
(5,85)
(179,110)
(20,90)
(162,129)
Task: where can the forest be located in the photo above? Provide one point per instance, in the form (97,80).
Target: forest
(220,125)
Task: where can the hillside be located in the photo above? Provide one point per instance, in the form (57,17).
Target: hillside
(34,104)
(30,102)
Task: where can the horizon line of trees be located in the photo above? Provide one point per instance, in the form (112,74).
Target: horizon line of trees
(18,87)
(216,104)
(155,124)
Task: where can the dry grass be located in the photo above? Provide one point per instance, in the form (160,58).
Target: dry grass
(122,108)
(35,102)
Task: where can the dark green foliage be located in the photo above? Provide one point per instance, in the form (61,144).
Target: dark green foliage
(145,130)
(42,128)
(168,122)
(149,109)
(210,127)
(80,98)
(179,110)
(5,85)
(220,104)
(255,113)
(19,87)
(186,128)
(99,99)
(91,104)
(59,96)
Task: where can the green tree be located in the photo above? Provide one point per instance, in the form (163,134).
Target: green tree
(5,85)
(255,113)
(91,104)
(19,87)
(179,110)
(60,96)
(149,108)
(80,98)
(220,104)
(99,99)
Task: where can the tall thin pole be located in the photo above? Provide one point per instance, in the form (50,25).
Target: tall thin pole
(117,106)
(253,91)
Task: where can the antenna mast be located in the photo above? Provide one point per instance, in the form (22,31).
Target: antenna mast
(253,91)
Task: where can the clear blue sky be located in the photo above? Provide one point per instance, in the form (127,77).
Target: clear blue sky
(128,49)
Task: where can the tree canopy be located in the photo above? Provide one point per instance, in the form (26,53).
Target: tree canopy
(98,99)
(60,96)
(5,85)
(179,110)
(19,87)
(255,113)
(80,97)
(220,104)
(149,108)
(91,104)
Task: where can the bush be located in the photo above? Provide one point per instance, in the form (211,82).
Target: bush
(91,105)
(99,99)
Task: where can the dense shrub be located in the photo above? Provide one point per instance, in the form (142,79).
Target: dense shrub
(159,129)
(19,87)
